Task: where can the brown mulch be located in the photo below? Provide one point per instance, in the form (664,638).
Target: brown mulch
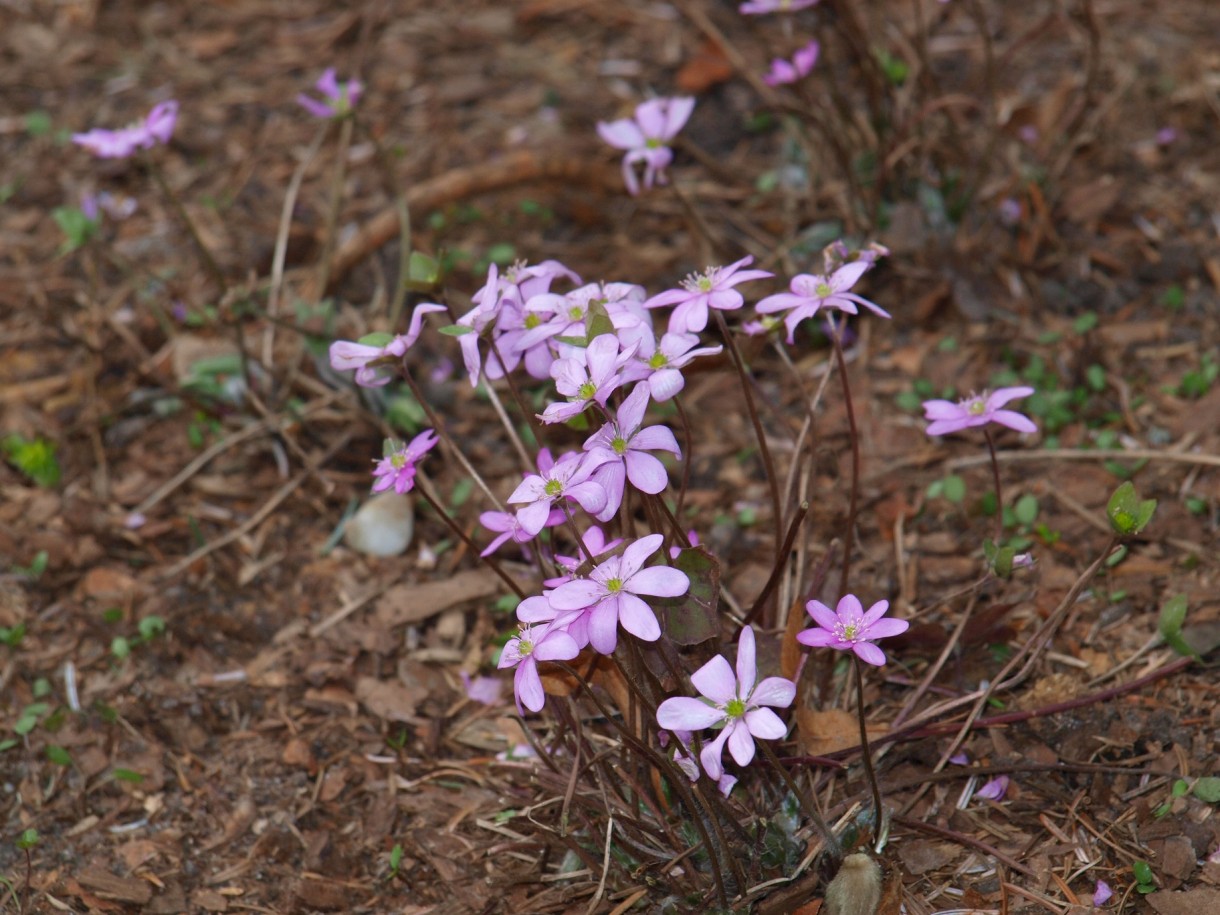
(300,723)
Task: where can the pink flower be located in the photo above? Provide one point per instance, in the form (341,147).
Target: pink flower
(377,352)
(993,790)
(531,645)
(508,526)
(397,468)
(658,363)
(1102,894)
(625,446)
(732,703)
(977,410)
(337,99)
(588,376)
(713,288)
(612,592)
(567,478)
(782,72)
(849,628)
(810,292)
(646,138)
(481,689)
(759,7)
(158,127)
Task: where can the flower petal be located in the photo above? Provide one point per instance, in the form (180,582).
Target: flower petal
(715,680)
(684,713)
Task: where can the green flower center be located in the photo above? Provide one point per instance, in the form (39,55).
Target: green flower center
(658,360)
(849,631)
(532,320)
(575,313)
(977,407)
(653,143)
(398,460)
(553,488)
(614,585)
(619,444)
(823,290)
(735,708)
(587,390)
(525,648)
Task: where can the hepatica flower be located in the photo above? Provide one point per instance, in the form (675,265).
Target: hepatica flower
(977,410)
(784,72)
(733,703)
(646,138)
(155,129)
(531,645)
(567,478)
(849,628)
(338,99)
(612,594)
(626,448)
(373,354)
(809,293)
(713,288)
(397,468)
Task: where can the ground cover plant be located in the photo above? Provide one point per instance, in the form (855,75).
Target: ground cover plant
(792,429)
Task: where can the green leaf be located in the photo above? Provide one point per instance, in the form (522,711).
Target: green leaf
(597,321)
(120,647)
(128,775)
(955,489)
(36,459)
(59,756)
(1026,509)
(456,330)
(395,858)
(1208,789)
(1128,513)
(423,269)
(378,339)
(1173,615)
(150,627)
(692,618)
(1142,871)
(28,839)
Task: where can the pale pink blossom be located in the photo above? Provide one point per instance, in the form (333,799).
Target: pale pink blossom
(849,628)
(783,72)
(338,99)
(734,703)
(374,358)
(397,468)
(977,410)
(156,128)
(646,138)
(713,288)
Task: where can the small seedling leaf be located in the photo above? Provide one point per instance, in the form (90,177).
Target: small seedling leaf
(1128,513)
(1208,790)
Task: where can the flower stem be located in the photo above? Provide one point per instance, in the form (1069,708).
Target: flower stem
(832,841)
(763,450)
(999,499)
(175,204)
(849,538)
(470,544)
(866,753)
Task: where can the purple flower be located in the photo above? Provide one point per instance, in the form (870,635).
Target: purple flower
(337,99)
(595,543)
(531,645)
(646,138)
(713,288)
(759,7)
(379,351)
(993,790)
(397,468)
(587,376)
(783,72)
(977,410)
(1102,894)
(658,363)
(612,594)
(508,526)
(732,703)
(481,689)
(625,446)
(849,628)
(567,478)
(810,292)
(158,127)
